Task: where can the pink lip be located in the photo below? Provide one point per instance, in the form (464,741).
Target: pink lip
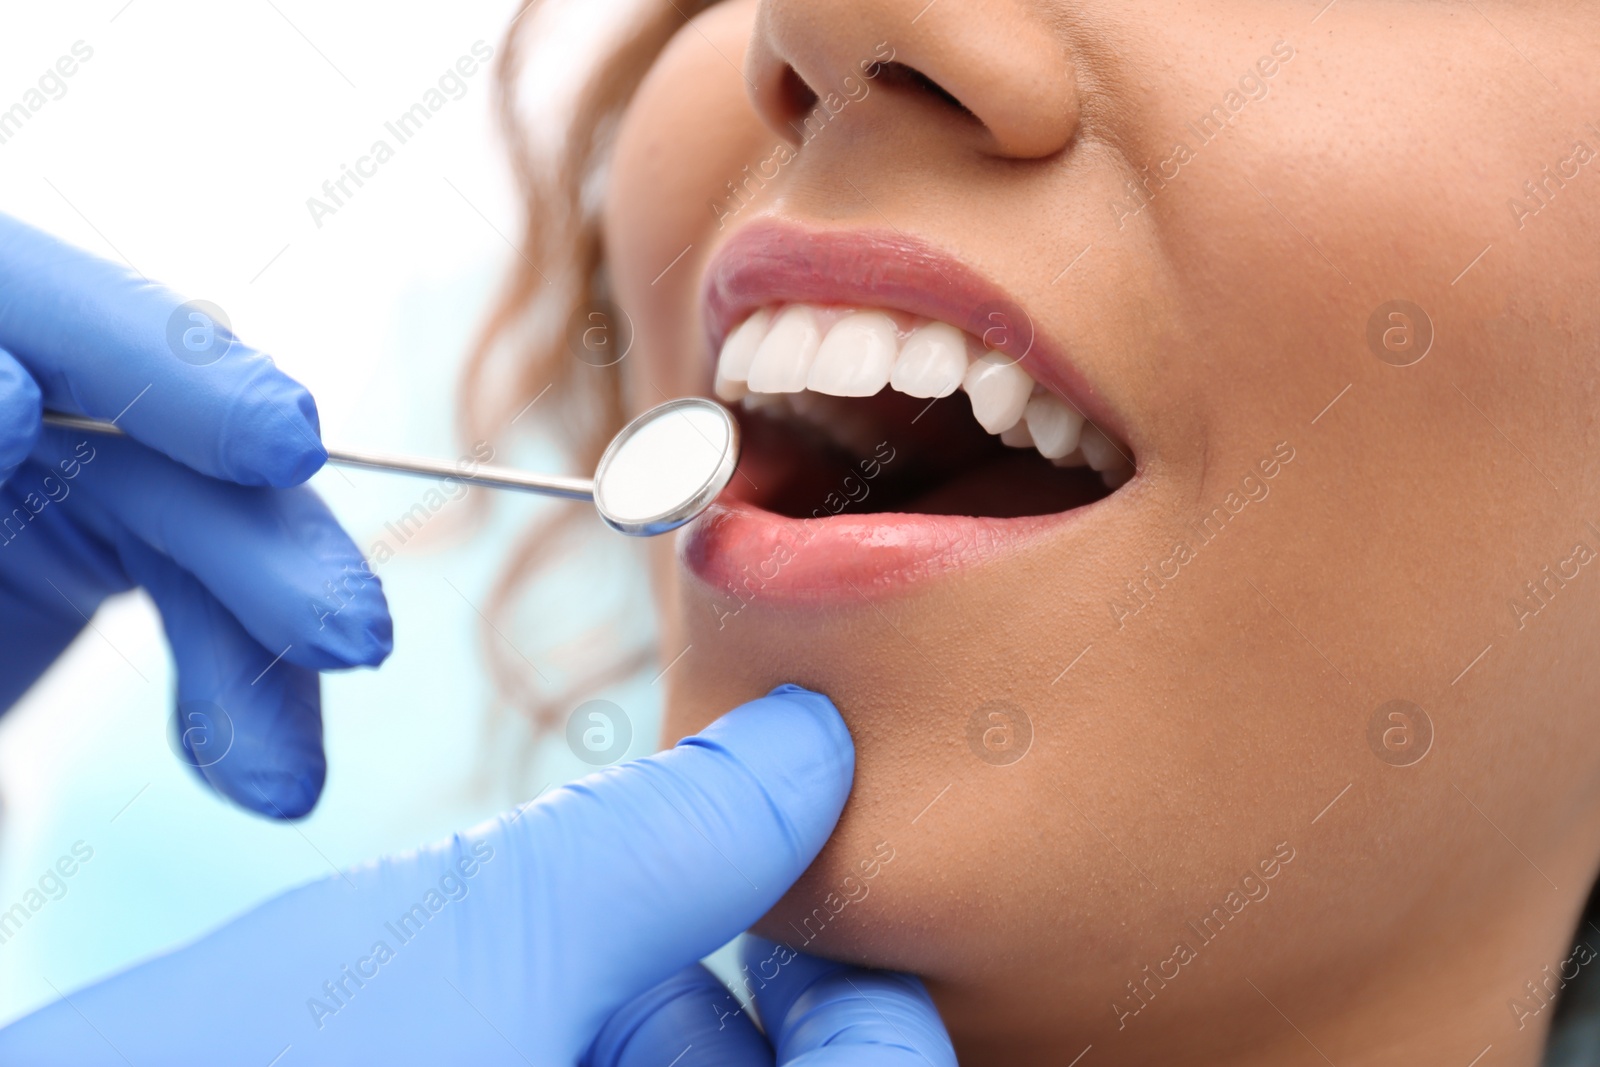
(746,553)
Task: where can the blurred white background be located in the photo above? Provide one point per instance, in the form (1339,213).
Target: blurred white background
(188,145)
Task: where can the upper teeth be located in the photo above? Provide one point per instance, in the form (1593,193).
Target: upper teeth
(802,348)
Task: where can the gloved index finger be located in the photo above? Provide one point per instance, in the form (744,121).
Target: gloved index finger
(102,340)
(674,854)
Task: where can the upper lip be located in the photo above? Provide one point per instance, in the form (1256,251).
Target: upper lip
(770,262)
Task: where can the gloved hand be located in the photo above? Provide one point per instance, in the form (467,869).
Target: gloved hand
(515,942)
(202,507)
(814,1013)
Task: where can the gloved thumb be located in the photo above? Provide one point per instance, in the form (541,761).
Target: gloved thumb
(676,854)
(821,1014)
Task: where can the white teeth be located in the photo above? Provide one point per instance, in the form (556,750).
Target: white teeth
(932,362)
(856,357)
(1104,457)
(1017,437)
(782,361)
(843,422)
(1053,426)
(767,402)
(999,391)
(1071,459)
(733,365)
(730,391)
(793,361)
(809,406)
(1099,451)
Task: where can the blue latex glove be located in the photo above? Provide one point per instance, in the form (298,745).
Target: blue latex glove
(510,944)
(814,1013)
(202,507)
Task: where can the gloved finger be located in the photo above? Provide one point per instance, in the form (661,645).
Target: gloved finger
(277,559)
(19,414)
(250,725)
(512,943)
(713,832)
(690,1020)
(53,575)
(818,1013)
(103,340)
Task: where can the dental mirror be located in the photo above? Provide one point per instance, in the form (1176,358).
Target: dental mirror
(666,466)
(661,470)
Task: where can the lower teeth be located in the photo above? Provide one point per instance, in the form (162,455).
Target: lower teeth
(844,425)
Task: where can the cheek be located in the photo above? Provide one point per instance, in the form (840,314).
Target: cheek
(688,133)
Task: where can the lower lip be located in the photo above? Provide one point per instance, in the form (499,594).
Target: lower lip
(744,552)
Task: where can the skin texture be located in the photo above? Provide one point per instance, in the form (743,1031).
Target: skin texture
(1197,738)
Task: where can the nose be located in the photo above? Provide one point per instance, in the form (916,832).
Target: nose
(1001,77)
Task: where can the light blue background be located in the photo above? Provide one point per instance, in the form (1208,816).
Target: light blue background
(188,146)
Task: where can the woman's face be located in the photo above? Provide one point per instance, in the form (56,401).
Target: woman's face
(1129,774)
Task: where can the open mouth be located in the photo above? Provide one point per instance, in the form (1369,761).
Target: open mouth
(946,426)
(900,418)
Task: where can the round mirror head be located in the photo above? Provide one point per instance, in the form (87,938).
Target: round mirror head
(666,466)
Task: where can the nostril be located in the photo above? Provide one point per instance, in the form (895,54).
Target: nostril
(794,95)
(1002,85)
(899,75)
